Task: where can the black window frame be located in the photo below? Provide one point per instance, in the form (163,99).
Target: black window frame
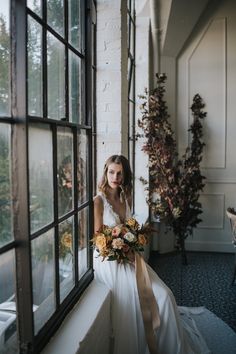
(131,47)
(19,122)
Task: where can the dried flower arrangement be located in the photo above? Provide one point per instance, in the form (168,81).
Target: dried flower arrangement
(174,184)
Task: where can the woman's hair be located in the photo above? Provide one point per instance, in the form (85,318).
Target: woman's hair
(127,174)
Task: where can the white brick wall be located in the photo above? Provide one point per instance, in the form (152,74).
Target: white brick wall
(111,80)
(112,88)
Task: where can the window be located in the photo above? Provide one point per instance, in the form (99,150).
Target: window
(131,84)
(46,137)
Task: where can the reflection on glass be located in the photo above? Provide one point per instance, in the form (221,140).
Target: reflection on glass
(74,23)
(35,5)
(66,250)
(5,186)
(82,167)
(4,59)
(55,15)
(34,45)
(65,170)
(56,78)
(40,177)
(83,241)
(74,87)
(8,321)
(43,277)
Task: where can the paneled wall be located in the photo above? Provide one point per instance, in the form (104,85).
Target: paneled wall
(207,66)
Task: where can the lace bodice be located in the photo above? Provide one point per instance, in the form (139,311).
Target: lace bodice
(110,217)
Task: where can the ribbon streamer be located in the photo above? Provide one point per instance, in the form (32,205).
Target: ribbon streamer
(148,303)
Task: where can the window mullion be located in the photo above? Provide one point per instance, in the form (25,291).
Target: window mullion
(20,179)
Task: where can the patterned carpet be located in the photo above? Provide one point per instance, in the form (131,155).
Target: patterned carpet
(205,281)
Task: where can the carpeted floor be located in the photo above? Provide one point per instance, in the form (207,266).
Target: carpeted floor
(205,281)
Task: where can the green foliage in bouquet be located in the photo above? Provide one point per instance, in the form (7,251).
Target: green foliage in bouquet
(174,184)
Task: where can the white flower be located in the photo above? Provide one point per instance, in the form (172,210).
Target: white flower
(130,237)
(176,212)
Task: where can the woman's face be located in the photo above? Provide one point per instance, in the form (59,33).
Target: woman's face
(115,175)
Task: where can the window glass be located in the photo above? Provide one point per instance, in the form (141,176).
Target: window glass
(5,186)
(66,251)
(55,15)
(83,241)
(82,172)
(35,96)
(43,277)
(8,320)
(65,170)
(4,59)
(74,87)
(74,23)
(40,176)
(56,78)
(35,6)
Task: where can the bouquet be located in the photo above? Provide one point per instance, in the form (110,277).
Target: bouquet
(116,243)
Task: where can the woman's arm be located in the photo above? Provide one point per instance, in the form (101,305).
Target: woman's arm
(98,212)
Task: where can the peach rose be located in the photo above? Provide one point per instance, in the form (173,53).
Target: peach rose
(116,231)
(118,243)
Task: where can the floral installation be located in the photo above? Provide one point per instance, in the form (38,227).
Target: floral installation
(174,184)
(231,213)
(116,243)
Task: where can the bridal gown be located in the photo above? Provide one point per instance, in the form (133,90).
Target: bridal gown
(177,334)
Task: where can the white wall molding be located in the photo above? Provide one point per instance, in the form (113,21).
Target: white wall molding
(209,246)
(206,70)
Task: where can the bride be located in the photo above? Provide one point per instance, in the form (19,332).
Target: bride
(177,332)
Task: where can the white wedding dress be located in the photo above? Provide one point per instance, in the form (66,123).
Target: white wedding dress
(177,334)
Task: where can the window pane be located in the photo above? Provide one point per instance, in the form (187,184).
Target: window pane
(66,251)
(74,87)
(5,186)
(4,59)
(8,334)
(65,170)
(83,241)
(35,5)
(74,23)
(43,277)
(56,78)
(35,95)
(55,15)
(40,176)
(82,173)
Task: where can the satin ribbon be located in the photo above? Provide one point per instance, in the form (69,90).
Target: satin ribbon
(148,303)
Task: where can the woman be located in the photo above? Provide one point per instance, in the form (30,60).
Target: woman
(177,333)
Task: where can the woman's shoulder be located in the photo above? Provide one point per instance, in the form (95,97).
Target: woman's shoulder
(98,201)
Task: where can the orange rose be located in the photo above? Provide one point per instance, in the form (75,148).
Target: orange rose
(100,241)
(132,223)
(142,239)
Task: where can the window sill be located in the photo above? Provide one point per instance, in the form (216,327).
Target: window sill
(86,329)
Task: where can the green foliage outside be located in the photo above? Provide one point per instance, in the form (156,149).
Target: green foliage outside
(5,202)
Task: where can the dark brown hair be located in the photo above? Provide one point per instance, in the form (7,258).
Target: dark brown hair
(127,174)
